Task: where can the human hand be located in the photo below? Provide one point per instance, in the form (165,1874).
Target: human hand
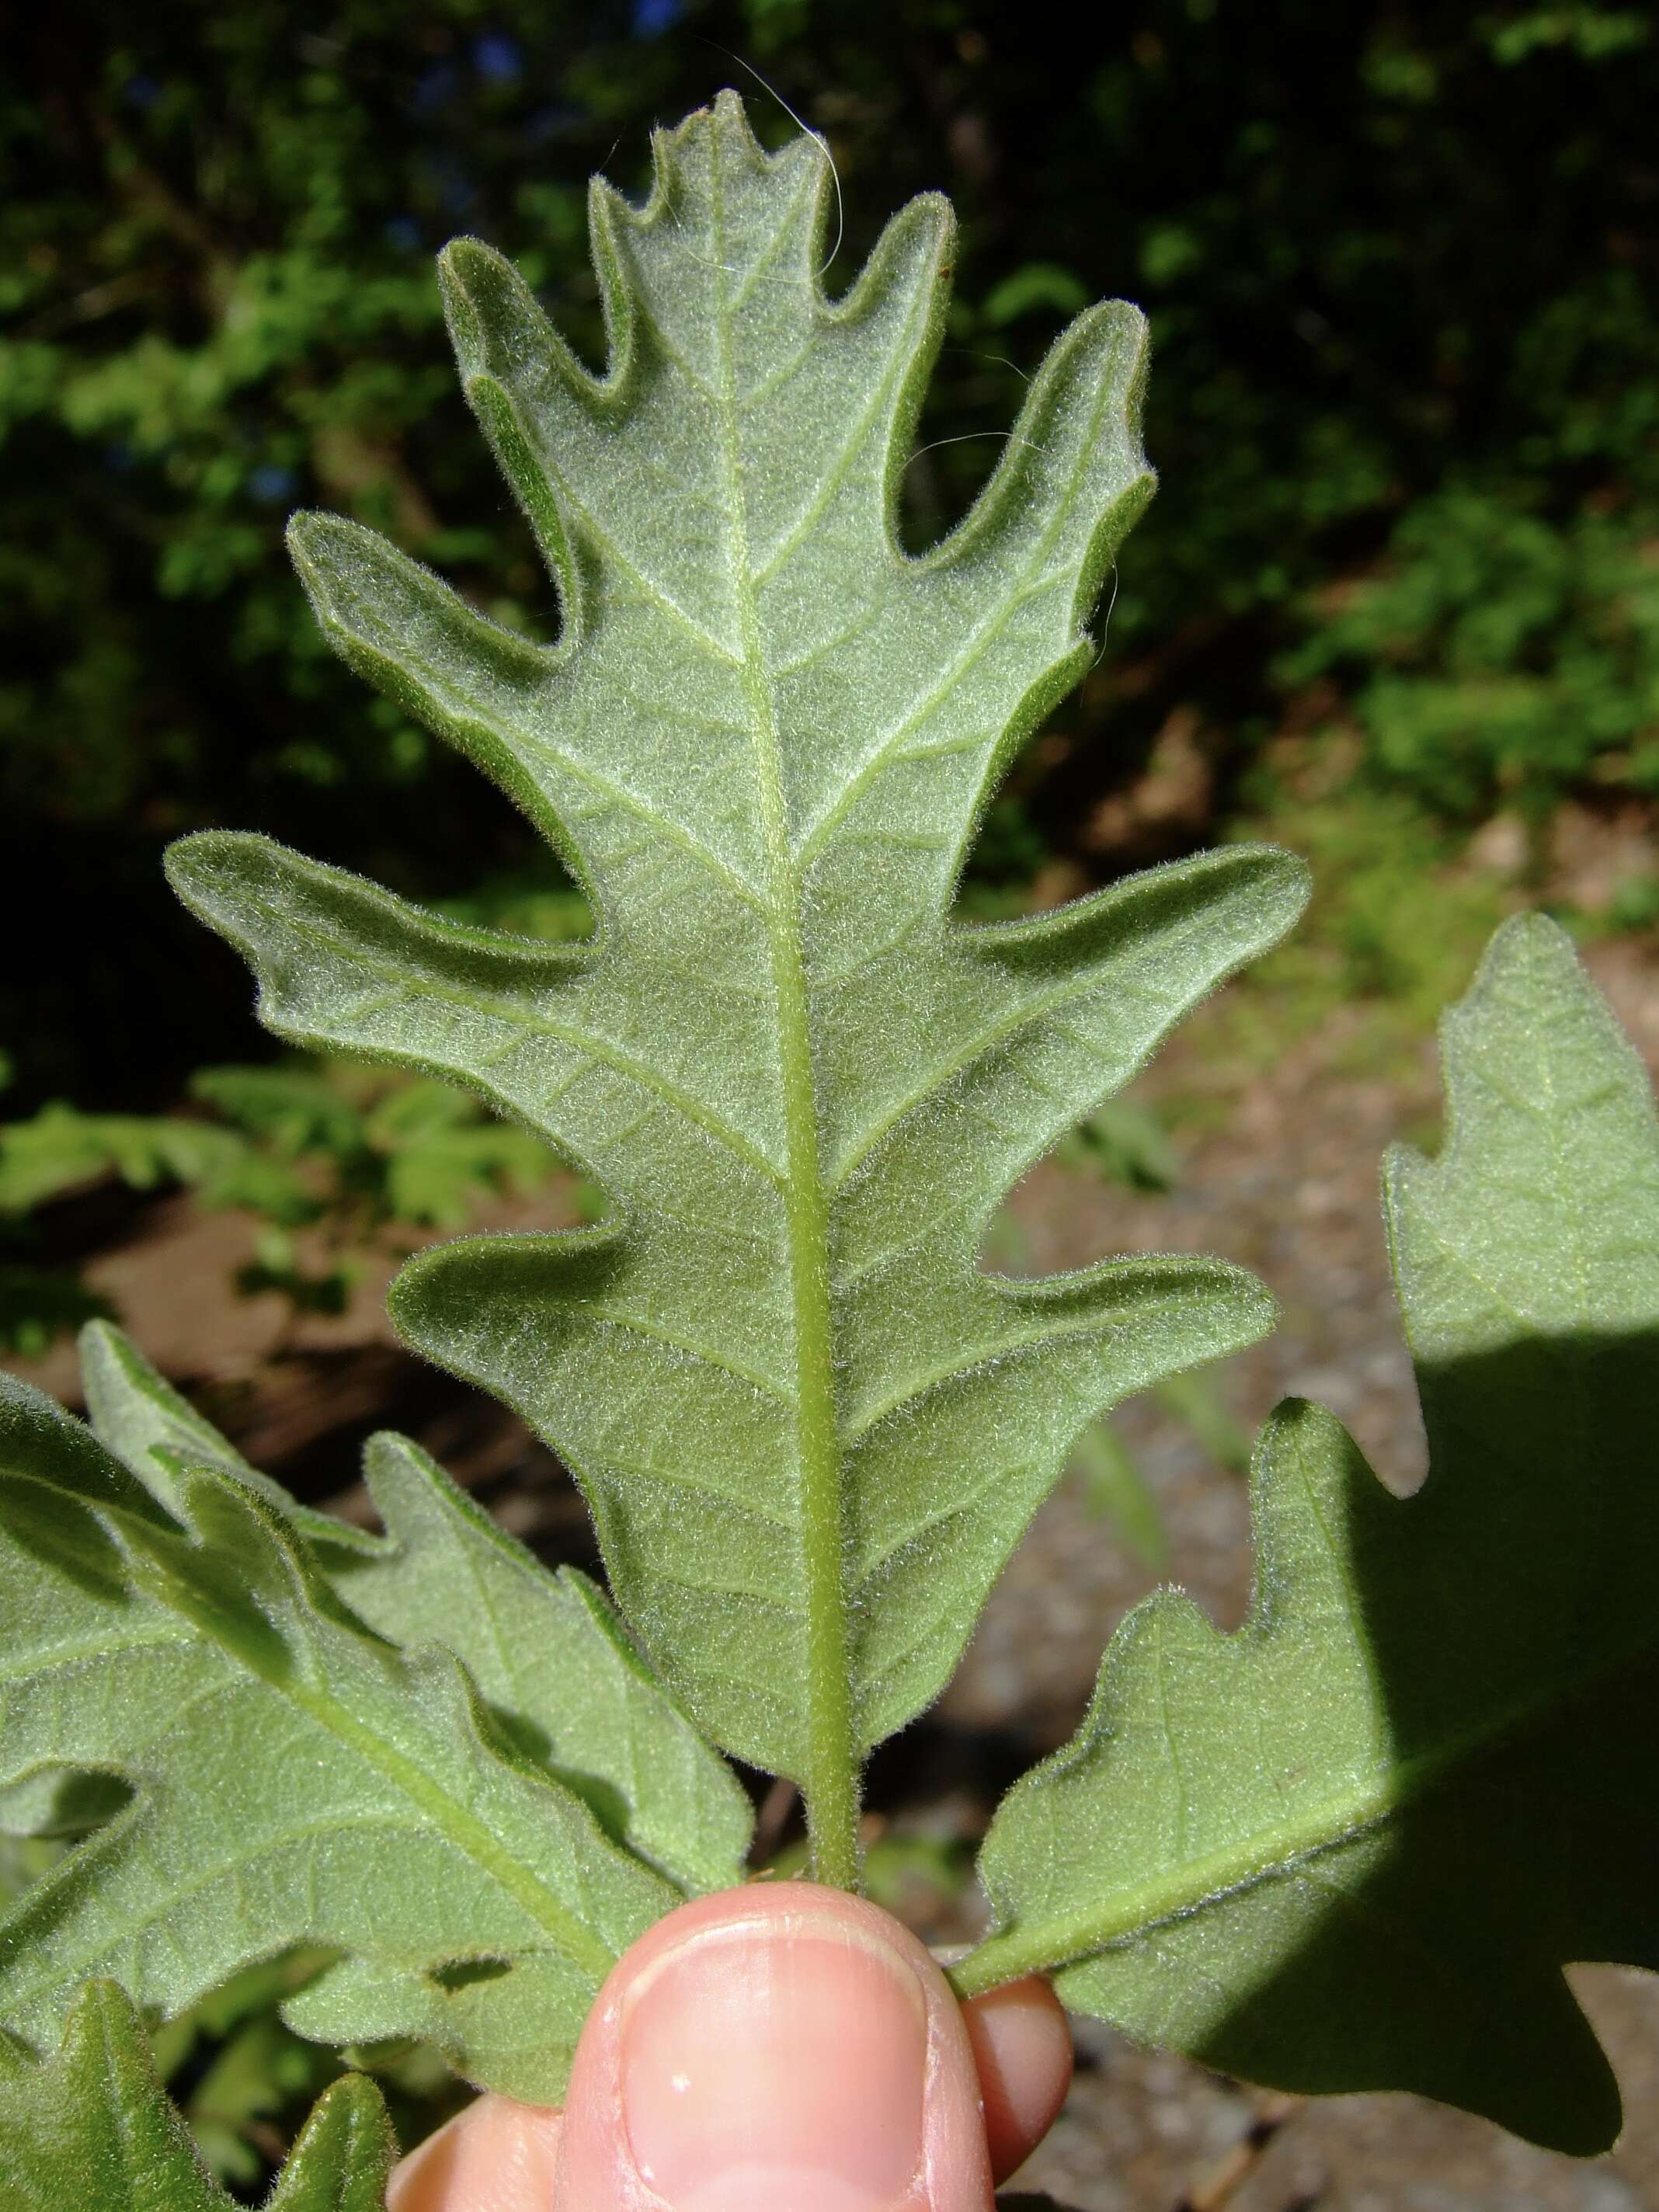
(781,2048)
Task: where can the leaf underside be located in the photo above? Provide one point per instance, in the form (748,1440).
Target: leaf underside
(92,2126)
(546,1650)
(809,1428)
(479,1830)
(1352,1845)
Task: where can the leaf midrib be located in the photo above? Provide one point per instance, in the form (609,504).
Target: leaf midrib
(469,1835)
(1060,1940)
(829,1777)
(974,646)
(460,1827)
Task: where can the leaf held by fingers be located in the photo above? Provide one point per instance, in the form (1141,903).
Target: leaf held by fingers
(810,1429)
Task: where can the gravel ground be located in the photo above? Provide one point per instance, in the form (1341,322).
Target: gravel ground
(1290,1190)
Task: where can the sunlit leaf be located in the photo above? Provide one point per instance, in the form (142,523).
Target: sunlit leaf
(810,1427)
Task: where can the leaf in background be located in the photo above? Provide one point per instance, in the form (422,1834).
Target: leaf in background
(1036,286)
(60,1149)
(809,1428)
(278,1266)
(1352,1845)
(38,1305)
(91,2127)
(295,1779)
(1192,1399)
(438,1154)
(1127,1145)
(239,2070)
(295,1108)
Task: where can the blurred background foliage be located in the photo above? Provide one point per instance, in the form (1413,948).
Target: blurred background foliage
(1400,260)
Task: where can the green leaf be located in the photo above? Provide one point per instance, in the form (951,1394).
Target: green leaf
(546,1650)
(294,1108)
(60,1149)
(1352,1845)
(1034,288)
(440,1154)
(293,1779)
(38,1305)
(91,2126)
(155,1433)
(1128,1145)
(809,1428)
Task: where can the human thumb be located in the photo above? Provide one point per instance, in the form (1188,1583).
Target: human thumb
(781,2048)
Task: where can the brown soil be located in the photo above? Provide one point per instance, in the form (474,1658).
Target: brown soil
(1289,1189)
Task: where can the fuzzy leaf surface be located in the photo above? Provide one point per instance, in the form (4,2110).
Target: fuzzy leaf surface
(546,1650)
(1352,1845)
(810,1429)
(156,1432)
(293,1778)
(92,2126)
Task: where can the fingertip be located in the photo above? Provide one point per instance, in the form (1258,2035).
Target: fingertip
(496,2156)
(1022,2046)
(781,2045)
(783,1996)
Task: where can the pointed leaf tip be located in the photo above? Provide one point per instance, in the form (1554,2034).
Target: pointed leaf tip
(342,2161)
(92,2126)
